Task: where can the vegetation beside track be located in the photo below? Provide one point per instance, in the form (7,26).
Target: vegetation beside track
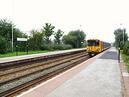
(125,58)
(44,39)
(122,43)
(125,54)
(22,53)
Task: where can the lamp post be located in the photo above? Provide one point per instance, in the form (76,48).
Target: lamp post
(12,37)
(12,23)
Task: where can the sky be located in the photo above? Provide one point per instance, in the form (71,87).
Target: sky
(97,18)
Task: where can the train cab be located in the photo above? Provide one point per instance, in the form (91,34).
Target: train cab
(94,46)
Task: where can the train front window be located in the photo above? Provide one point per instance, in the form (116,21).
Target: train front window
(93,42)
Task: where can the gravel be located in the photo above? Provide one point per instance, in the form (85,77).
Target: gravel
(26,79)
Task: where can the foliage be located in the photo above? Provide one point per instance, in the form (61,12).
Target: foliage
(68,39)
(75,38)
(48,31)
(10,54)
(126,48)
(38,40)
(3,45)
(6,32)
(52,47)
(6,29)
(58,36)
(119,33)
(62,47)
(47,47)
(35,41)
(125,58)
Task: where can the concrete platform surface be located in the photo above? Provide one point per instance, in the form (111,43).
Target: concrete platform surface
(102,78)
(22,57)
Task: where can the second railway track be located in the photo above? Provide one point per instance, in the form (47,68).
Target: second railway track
(16,80)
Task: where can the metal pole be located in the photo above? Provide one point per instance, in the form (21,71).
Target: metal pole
(12,22)
(119,55)
(17,48)
(12,37)
(27,47)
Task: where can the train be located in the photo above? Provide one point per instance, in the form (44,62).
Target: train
(95,46)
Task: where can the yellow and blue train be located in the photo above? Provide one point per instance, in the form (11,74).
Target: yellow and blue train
(95,46)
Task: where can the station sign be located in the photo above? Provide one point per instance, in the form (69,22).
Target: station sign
(21,39)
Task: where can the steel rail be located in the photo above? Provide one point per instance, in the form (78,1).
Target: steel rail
(32,83)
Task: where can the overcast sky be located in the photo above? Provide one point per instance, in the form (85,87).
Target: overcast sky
(97,18)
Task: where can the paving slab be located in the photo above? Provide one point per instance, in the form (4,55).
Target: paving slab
(101,78)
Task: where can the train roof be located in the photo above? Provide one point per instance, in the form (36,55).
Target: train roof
(93,39)
(97,39)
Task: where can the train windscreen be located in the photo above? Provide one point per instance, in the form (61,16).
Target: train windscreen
(93,42)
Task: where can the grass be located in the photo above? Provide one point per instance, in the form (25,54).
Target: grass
(126,60)
(21,53)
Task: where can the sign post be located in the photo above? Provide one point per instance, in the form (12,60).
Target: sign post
(22,40)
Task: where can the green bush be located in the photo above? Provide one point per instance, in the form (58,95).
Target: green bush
(3,45)
(55,47)
(47,47)
(126,48)
(62,47)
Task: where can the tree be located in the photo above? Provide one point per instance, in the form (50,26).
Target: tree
(3,45)
(119,33)
(6,32)
(6,29)
(75,38)
(35,40)
(126,48)
(58,36)
(48,31)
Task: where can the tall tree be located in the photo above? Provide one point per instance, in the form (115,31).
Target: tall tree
(48,30)
(35,40)
(6,28)
(75,38)
(6,32)
(58,36)
(3,45)
(120,37)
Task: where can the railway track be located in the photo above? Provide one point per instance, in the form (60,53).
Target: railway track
(17,80)
(24,70)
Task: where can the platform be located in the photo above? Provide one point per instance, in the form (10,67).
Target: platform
(98,77)
(23,57)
